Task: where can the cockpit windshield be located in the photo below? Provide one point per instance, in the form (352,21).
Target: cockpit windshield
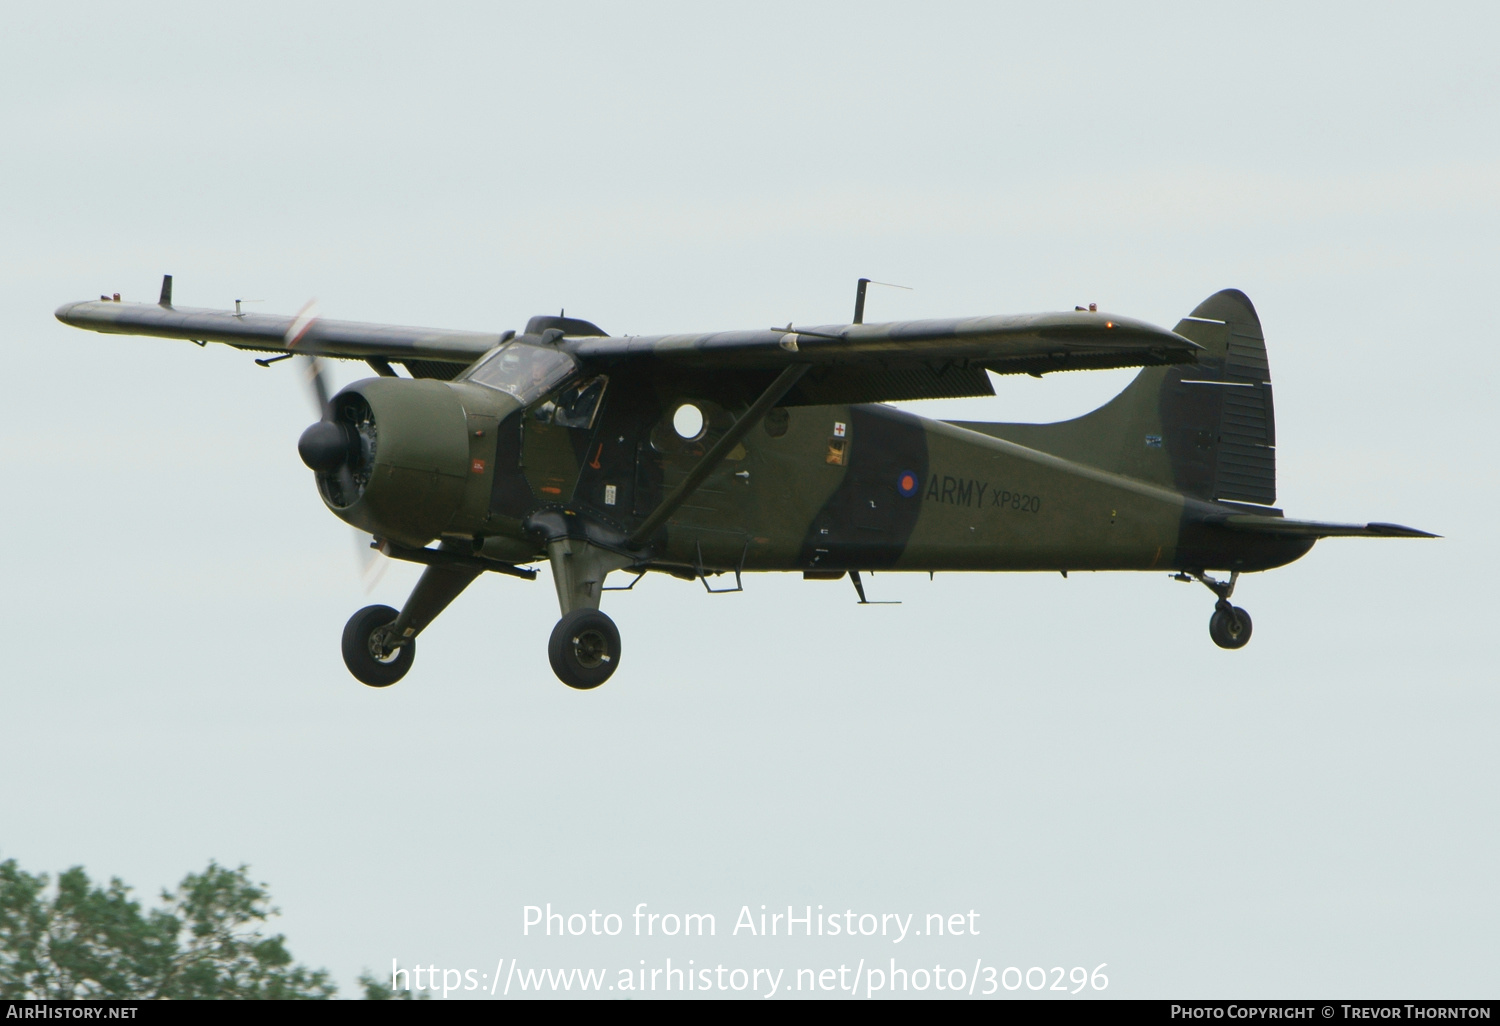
(525,371)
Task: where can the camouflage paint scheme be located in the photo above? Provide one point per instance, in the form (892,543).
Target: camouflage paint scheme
(1177,473)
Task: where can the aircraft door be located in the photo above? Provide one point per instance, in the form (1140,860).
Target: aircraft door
(607,472)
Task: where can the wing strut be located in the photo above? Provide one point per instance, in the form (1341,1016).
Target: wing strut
(711,459)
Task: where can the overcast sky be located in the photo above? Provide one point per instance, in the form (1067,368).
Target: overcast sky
(1074,760)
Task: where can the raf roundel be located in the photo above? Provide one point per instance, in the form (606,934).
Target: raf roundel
(906,484)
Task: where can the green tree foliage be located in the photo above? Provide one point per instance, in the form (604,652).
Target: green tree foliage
(377,989)
(80,941)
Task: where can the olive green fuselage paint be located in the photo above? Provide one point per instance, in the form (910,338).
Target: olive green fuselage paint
(978,503)
(906,493)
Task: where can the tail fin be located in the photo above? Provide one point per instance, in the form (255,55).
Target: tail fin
(1207,429)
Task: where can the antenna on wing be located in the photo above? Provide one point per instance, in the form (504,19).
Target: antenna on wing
(859,296)
(166,292)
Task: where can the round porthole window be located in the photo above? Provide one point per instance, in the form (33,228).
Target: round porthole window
(687,421)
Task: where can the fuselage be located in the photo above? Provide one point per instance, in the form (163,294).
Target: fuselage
(811,488)
(872,487)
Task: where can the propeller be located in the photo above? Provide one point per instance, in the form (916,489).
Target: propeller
(328,446)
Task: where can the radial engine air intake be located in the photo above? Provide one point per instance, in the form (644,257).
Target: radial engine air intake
(341,450)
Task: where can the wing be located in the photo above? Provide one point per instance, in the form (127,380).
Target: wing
(904,360)
(426,352)
(850,363)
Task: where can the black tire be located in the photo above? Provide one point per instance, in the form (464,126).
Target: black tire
(362,662)
(584,649)
(1230,629)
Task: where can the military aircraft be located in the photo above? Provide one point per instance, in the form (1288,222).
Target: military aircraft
(769,449)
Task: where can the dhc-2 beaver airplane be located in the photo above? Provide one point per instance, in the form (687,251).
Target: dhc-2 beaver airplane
(769,450)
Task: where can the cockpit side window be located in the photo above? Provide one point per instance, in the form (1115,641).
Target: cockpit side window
(579,403)
(524,371)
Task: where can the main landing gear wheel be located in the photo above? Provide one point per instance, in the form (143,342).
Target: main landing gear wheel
(584,649)
(367,652)
(1229,626)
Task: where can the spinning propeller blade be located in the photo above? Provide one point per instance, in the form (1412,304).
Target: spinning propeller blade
(372,565)
(316,376)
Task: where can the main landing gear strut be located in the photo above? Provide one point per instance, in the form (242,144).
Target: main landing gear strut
(1230,625)
(584,649)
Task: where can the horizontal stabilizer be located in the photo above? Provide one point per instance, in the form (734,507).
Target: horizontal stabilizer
(1314,528)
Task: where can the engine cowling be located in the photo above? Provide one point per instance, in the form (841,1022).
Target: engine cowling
(394,458)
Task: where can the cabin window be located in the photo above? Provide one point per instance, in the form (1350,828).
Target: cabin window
(687,421)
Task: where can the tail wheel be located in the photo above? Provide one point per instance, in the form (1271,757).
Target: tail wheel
(367,649)
(584,649)
(1229,627)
